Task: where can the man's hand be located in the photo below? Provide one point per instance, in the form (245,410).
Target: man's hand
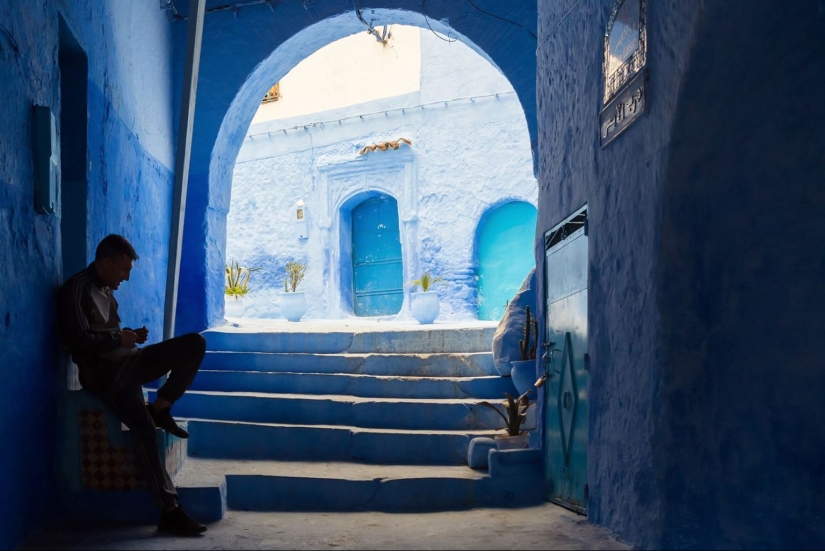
(142,334)
(128,338)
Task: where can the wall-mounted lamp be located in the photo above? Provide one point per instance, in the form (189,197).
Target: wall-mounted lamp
(300,220)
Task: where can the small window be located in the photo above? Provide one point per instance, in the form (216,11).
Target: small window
(274,94)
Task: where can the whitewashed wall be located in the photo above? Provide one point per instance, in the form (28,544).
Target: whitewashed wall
(468,155)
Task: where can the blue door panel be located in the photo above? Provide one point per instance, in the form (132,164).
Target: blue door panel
(372,246)
(372,278)
(384,302)
(566,400)
(378,278)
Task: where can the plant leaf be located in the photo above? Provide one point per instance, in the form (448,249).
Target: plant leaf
(494,408)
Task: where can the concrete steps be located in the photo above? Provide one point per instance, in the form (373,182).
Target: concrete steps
(307,409)
(348,486)
(472,364)
(220,439)
(352,416)
(364,386)
(389,339)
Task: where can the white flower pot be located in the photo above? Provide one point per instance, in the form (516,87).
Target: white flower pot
(425,306)
(233,307)
(293,305)
(519,442)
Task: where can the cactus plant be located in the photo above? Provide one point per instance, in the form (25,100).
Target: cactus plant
(237,279)
(528,351)
(295,272)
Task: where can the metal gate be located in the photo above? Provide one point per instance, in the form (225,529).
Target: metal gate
(378,277)
(566,362)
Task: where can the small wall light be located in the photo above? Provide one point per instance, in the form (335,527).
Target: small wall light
(301,216)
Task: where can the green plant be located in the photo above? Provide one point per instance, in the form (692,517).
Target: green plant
(528,352)
(426,281)
(295,272)
(237,279)
(514,411)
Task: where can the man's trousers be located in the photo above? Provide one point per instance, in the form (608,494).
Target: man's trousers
(120,386)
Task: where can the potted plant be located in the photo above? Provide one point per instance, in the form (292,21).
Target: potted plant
(236,287)
(293,303)
(524,371)
(424,304)
(514,413)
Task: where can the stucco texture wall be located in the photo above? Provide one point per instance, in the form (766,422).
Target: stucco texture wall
(130,148)
(703,269)
(466,158)
(244,55)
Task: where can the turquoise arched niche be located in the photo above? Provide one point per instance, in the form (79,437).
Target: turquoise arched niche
(504,244)
(377,269)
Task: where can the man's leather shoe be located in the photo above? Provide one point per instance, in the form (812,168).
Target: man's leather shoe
(163,420)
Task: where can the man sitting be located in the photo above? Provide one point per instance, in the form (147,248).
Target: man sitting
(114,368)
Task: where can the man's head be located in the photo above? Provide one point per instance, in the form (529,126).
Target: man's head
(114,259)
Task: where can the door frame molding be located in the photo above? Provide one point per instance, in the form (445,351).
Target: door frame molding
(344,186)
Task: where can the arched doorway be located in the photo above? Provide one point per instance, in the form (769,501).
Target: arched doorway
(377,268)
(258,52)
(505,255)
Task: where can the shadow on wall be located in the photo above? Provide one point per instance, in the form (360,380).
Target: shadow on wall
(741,295)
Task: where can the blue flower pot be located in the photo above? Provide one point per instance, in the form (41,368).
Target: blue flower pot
(524,375)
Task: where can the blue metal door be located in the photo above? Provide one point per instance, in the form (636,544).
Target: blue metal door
(566,412)
(378,276)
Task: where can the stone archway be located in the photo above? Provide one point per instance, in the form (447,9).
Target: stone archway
(240,60)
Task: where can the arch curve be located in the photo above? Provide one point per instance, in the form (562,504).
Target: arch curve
(242,61)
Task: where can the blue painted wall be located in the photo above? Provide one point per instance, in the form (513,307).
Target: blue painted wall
(505,246)
(130,150)
(705,268)
(467,158)
(244,55)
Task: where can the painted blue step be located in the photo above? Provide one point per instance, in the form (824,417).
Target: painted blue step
(365,386)
(475,364)
(304,486)
(305,409)
(248,441)
(393,339)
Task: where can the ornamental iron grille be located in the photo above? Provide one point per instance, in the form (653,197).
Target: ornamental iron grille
(625,45)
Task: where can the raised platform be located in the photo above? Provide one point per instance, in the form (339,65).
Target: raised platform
(354,335)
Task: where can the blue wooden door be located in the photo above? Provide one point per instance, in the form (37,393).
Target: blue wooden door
(566,412)
(378,276)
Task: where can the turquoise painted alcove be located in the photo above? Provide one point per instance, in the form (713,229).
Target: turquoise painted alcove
(505,255)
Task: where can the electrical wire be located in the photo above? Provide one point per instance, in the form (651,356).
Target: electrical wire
(370,28)
(174,14)
(503,19)
(427,20)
